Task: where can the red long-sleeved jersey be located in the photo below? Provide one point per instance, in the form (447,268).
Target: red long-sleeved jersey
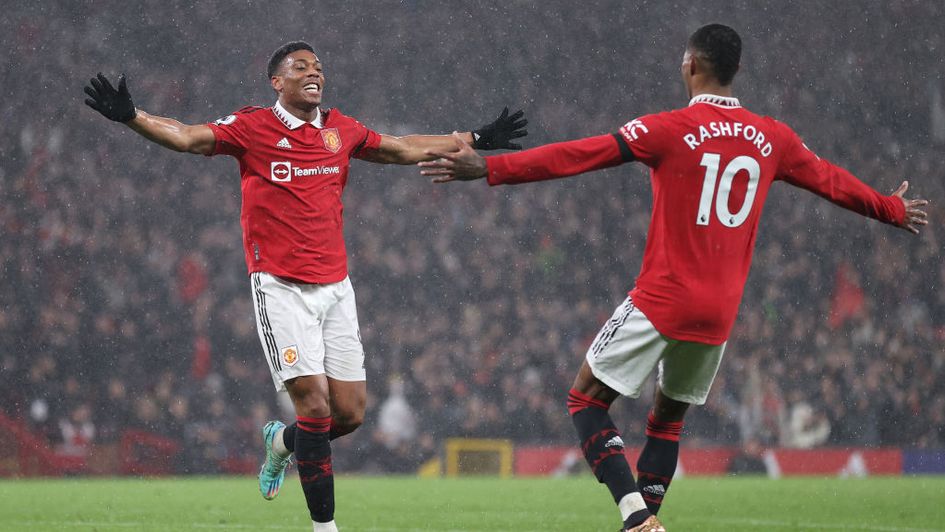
(712,164)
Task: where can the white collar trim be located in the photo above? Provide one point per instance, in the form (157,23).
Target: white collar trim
(293,122)
(712,99)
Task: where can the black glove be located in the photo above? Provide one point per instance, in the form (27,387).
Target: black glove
(113,104)
(497,135)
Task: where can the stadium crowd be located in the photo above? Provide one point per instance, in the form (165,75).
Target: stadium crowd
(126,303)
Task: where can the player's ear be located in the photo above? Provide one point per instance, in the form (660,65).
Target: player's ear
(276,82)
(695,65)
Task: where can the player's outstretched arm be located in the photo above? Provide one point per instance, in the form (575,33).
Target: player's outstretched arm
(411,149)
(116,105)
(915,217)
(551,161)
(459,163)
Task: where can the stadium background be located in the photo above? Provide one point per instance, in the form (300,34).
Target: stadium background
(125,304)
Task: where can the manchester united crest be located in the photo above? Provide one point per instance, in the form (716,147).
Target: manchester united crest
(332,139)
(290,355)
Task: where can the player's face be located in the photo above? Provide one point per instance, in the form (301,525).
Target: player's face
(300,80)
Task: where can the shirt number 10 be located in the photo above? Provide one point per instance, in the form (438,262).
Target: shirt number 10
(711,163)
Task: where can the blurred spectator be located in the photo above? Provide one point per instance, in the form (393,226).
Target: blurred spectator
(77,431)
(125,288)
(807,427)
(749,459)
(396,422)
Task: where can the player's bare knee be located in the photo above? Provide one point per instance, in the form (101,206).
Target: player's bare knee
(347,422)
(310,399)
(668,409)
(312,405)
(586,383)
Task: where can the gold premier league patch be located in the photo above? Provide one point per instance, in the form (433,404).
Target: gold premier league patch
(332,139)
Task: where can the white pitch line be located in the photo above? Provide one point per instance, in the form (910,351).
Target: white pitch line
(811,526)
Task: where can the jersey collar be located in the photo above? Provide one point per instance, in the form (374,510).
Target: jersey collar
(291,121)
(712,99)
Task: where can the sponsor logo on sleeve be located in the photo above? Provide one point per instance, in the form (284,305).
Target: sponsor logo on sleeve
(225,121)
(281,171)
(290,355)
(631,131)
(332,139)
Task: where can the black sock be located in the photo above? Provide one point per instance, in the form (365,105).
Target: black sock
(313,455)
(288,437)
(603,449)
(657,462)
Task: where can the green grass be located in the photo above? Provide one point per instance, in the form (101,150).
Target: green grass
(482,504)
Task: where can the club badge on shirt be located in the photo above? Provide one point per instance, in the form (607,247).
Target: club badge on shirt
(332,139)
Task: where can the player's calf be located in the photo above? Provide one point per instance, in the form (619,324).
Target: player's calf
(343,424)
(313,455)
(336,430)
(657,463)
(604,451)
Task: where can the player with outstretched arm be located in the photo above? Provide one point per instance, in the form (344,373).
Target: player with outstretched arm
(294,159)
(712,164)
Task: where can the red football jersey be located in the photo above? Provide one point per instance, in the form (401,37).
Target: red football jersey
(293,174)
(712,166)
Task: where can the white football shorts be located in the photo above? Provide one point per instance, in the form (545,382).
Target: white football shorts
(628,347)
(308,329)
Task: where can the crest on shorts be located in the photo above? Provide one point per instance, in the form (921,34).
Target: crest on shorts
(332,139)
(290,355)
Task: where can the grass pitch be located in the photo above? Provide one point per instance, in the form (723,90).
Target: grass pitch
(914,504)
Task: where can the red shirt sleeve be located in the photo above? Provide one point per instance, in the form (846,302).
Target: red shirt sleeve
(552,161)
(370,140)
(645,138)
(801,168)
(232,134)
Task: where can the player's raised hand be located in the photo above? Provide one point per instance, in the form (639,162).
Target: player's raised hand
(499,134)
(461,164)
(915,217)
(114,104)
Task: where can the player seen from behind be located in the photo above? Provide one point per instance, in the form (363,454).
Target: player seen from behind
(712,164)
(294,159)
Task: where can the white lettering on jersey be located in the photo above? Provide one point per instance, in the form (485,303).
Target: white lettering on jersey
(225,121)
(282,171)
(318,170)
(629,130)
(728,129)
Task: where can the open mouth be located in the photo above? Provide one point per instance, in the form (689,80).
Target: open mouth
(312,88)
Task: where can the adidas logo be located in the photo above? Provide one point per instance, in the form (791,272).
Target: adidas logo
(655,489)
(616,441)
(284,143)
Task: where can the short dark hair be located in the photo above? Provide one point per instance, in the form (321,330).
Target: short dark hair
(721,47)
(283,51)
